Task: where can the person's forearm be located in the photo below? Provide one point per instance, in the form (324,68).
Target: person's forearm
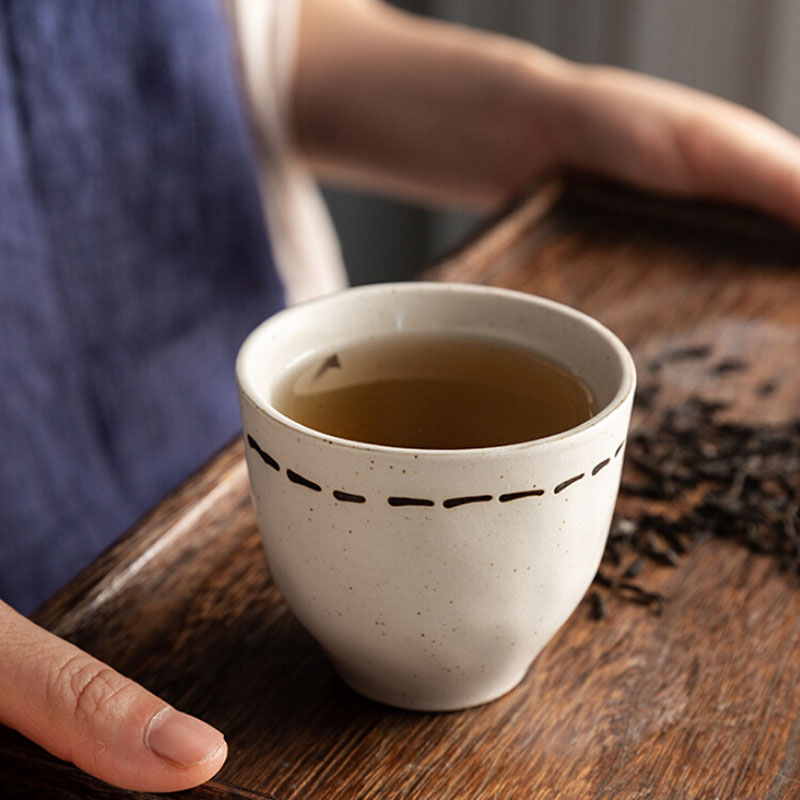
(438,112)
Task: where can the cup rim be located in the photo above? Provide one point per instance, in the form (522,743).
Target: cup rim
(624,392)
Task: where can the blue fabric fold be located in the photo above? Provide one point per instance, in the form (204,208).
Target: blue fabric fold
(134,259)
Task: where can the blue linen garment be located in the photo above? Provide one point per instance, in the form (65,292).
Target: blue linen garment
(133,261)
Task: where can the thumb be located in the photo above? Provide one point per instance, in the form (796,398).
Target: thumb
(81,710)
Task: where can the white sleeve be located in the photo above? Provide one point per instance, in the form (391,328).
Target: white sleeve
(304,242)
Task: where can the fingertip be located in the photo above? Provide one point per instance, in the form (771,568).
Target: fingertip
(192,750)
(164,750)
(181,739)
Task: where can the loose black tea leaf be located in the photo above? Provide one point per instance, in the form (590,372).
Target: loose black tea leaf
(599,607)
(729,365)
(634,568)
(691,353)
(767,388)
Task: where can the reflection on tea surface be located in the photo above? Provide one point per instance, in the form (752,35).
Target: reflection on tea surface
(433,391)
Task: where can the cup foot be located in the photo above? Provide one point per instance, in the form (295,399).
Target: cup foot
(429,695)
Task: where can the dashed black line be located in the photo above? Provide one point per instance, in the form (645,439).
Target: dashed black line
(294,477)
(454,502)
(597,467)
(265,457)
(506,498)
(410,501)
(347,497)
(568,482)
(402,501)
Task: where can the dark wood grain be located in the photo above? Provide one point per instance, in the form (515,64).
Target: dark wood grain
(700,702)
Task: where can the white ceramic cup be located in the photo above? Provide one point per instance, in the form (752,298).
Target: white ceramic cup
(433,578)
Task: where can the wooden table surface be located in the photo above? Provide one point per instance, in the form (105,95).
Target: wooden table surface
(701,701)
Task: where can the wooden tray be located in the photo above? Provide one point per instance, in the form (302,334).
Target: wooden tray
(699,702)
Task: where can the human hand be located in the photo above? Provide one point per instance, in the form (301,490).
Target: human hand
(447,115)
(82,711)
(669,138)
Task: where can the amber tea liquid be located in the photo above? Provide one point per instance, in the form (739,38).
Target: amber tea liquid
(433,392)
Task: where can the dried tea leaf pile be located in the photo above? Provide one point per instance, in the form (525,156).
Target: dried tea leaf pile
(739,482)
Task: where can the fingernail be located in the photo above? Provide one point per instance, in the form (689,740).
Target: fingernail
(181,739)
